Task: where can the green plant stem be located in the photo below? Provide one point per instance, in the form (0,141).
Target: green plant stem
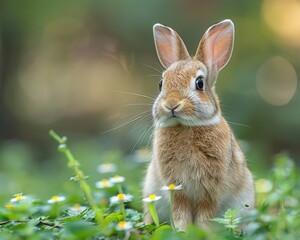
(56,210)
(120,190)
(283,214)
(231,223)
(119,186)
(74,164)
(171,208)
(153,213)
(123,209)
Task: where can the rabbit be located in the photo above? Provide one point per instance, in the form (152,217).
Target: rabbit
(193,144)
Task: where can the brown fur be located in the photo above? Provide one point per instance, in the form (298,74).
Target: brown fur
(202,154)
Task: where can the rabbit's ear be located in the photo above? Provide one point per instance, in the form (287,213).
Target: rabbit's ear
(215,47)
(169,46)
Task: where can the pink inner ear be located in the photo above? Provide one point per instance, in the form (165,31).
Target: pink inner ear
(223,50)
(169,46)
(169,51)
(220,53)
(216,45)
(221,43)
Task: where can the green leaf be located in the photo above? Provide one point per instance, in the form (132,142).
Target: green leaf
(221,220)
(79,229)
(133,215)
(168,234)
(153,213)
(163,228)
(114,217)
(194,232)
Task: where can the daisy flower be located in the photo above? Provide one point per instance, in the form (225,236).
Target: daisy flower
(117,179)
(107,168)
(171,187)
(124,226)
(18,197)
(151,198)
(151,207)
(77,208)
(104,183)
(120,198)
(56,199)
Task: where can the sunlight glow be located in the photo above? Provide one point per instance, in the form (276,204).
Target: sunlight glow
(276,81)
(282,17)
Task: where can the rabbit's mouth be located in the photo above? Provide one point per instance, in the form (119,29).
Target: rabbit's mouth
(174,119)
(168,121)
(173,115)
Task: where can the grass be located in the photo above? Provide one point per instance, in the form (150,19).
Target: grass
(112,210)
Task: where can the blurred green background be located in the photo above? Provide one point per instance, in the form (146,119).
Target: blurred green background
(67,65)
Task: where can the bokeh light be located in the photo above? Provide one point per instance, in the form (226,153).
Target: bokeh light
(276,81)
(282,16)
(68,74)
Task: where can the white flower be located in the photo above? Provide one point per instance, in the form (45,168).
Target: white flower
(171,187)
(117,179)
(263,185)
(77,209)
(18,197)
(104,183)
(56,199)
(121,197)
(107,168)
(151,198)
(124,226)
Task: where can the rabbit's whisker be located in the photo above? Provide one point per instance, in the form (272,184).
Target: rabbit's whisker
(137,104)
(138,123)
(238,124)
(132,114)
(146,65)
(159,66)
(154,75)
(141,138)
(135,94)
(151,136)
(129,121)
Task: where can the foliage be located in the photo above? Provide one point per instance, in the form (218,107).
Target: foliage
(277,215)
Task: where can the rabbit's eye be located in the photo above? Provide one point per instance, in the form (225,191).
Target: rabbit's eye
(200,83)
(160,84)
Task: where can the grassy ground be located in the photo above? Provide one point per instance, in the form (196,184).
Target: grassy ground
(69,205)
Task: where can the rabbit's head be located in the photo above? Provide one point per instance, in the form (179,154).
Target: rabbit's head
(187,94)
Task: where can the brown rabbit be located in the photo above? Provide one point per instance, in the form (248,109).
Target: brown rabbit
(193,144)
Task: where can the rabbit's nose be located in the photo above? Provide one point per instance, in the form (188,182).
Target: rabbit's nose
(171,105)
(172,108)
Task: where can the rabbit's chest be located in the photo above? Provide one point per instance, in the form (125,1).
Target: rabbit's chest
(194,170)
(196,164)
